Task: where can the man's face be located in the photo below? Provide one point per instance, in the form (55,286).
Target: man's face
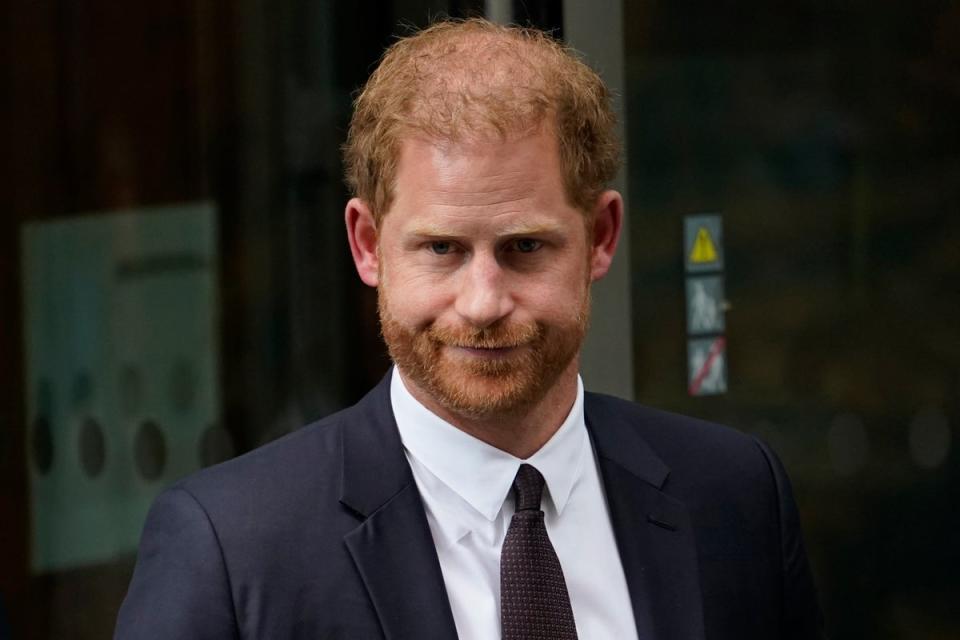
(484,274)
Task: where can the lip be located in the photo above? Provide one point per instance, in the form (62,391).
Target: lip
(479,352)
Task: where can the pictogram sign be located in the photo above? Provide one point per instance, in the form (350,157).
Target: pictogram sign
(707,366)
(703,243)
(704,251)
(705,305)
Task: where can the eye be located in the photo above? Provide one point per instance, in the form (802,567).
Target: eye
(527,245)
(440,247)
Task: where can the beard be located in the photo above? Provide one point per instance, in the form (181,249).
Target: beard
(479,387)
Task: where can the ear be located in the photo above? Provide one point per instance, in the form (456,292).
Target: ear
(362,235)
(607,224)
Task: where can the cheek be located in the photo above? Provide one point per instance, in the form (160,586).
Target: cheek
(413,286)
(559,299)
(410,301)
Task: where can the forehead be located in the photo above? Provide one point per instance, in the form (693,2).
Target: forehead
(479,174)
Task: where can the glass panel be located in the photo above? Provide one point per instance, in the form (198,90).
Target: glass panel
(176,287)
(826,136)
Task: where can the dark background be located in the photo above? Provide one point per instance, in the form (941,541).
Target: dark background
(826,133)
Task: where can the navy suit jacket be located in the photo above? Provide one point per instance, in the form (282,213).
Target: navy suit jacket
(322,534)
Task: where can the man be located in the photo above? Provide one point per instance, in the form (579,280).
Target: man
(478,492)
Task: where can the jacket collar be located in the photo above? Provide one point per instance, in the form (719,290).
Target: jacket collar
(653,529)
(374,467)
(392,546)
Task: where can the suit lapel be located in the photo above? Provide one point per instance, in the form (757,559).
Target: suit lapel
(392,547)
(396,559)
(653,530)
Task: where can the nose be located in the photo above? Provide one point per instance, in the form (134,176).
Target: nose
(484,295)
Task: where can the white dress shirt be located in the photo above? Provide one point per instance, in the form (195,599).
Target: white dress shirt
(465,485)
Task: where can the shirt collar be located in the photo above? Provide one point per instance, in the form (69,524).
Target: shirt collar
(459,460)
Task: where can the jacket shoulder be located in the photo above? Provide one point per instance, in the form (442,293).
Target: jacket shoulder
(310,452)
(703,458)
(670,434)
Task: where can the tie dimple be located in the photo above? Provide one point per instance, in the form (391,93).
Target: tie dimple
(528,488)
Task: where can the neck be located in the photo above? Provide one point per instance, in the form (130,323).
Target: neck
(521,433)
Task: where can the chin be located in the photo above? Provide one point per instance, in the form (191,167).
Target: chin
(484,388)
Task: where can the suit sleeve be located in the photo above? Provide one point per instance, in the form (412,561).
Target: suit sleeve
(802,618)
(180,586)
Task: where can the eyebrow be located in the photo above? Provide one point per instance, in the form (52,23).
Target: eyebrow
(519,229)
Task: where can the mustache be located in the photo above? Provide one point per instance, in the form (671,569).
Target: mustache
(493,337)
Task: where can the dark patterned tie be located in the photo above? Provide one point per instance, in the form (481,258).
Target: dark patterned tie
(534,604)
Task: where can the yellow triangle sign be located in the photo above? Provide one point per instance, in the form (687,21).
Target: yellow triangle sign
(704,250)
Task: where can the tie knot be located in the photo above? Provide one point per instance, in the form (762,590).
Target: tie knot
(528,488)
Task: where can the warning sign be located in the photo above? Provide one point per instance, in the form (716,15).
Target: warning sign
(703,243)
(704,250)
(707,366)
(705,304)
